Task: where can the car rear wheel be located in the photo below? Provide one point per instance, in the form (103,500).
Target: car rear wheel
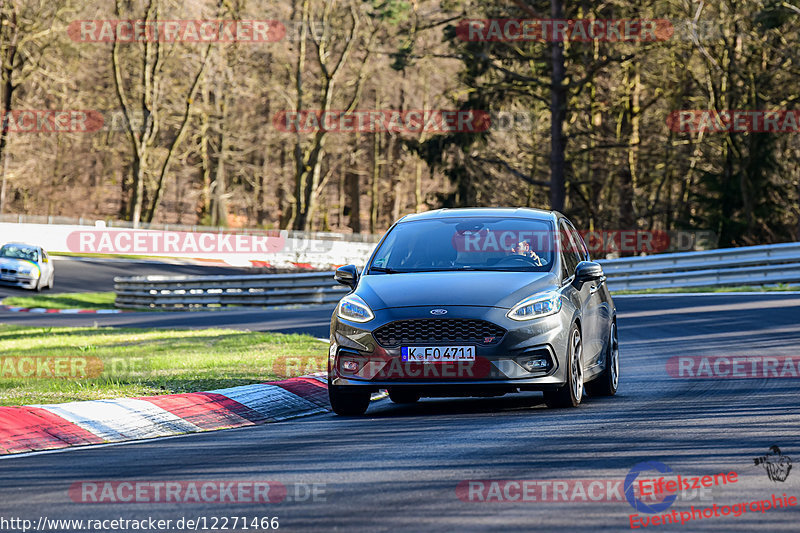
(606,383)
(571,394)
(403,396)
(348,402)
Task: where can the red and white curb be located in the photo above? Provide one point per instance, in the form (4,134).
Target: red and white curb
(49,427)
(44,311)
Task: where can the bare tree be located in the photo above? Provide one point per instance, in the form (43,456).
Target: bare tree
(147,91)
(27,30)
(330,65)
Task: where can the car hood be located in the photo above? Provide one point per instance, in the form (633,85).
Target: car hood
(16,264)
(479,289)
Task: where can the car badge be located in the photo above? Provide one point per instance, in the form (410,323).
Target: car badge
(488,340)
(439,312)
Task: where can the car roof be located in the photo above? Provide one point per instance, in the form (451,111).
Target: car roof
(496,212)
(22,245)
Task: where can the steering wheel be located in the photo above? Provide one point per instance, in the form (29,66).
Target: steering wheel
(524,258)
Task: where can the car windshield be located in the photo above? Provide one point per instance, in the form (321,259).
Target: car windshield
(19,252)
(501,244)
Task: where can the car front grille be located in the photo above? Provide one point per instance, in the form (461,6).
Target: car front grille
(7,271)
(438,331)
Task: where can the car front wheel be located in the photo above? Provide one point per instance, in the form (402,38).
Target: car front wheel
(347,402)
(571,394)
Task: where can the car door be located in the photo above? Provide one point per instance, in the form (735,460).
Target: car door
(47,265)
(570,257)
(597,309)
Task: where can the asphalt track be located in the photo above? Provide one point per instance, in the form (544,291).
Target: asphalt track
(397,469)
(97,275)
(312,320)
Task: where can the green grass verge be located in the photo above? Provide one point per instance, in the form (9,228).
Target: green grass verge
(744,288)
(80,300)
(100,363)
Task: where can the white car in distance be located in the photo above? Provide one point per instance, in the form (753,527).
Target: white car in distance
(27,266)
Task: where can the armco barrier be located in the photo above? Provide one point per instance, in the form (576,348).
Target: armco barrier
(210,291)
(751,265)
(754,265)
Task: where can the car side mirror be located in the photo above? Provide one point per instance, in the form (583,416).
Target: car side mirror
(347,275)
(586,272)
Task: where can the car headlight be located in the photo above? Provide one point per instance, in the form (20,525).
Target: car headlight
(355,309)
(537,306)
(27,271)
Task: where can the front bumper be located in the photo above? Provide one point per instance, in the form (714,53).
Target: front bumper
(19,280)
(498,366)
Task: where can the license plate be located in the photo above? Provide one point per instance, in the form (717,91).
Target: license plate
(437,354)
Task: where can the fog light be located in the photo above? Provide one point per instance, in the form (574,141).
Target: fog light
(533,365)
(350,366)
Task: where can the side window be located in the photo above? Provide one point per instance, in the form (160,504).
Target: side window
(583,251)
(569,252)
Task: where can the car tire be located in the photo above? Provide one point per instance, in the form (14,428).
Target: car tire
(607,382)
(403,396)
(38,287)
(571,394)
(52,282)
(348,402)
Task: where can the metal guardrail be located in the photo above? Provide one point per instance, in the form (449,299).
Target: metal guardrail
(751,265)
(189,292)
(754,265)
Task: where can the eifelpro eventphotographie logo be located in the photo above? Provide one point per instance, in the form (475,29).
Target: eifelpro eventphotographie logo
(775,463)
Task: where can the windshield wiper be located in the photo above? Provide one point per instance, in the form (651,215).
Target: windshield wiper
(385,270)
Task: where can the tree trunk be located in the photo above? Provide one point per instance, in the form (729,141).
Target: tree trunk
(219,201)
(797,237)
(374,185)
(204,209)
(558,113)
(627,217)
(353,184)
(138,185)
(7,74)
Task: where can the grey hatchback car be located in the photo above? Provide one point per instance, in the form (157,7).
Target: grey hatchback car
(474,302)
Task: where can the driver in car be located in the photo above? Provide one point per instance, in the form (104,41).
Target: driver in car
(524,248)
